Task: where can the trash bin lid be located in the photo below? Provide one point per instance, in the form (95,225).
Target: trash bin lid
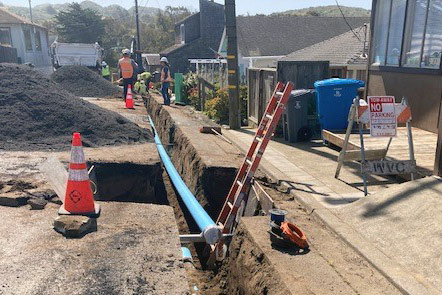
(300,92)
(338,81)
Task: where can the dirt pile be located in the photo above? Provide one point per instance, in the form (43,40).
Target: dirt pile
(37,114)
(81,81)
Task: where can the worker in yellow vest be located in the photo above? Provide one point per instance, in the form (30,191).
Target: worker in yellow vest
(127,68)
(105,71)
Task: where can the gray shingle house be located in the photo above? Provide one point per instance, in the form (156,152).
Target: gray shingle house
(197,36)
(263,40)
(347,54)
(30,40)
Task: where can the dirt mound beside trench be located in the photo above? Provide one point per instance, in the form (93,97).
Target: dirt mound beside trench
(37,114)
(81,81)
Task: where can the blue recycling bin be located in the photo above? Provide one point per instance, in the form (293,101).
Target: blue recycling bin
(334,99)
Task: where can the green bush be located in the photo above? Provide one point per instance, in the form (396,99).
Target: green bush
(217,108)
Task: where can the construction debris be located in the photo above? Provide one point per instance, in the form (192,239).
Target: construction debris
(37,203)
(81,81)
(13,199)
(37,114)
(74,226)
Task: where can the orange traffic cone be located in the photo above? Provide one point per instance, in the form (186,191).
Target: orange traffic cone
(79,199)
(129,98)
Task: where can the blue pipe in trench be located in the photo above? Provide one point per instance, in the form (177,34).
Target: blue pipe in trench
(210,231)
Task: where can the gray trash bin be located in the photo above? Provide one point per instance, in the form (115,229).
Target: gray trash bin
(295,117)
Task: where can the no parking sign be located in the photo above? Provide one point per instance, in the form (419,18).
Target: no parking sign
(383,122)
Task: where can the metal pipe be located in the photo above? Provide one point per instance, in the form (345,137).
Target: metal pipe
(210,231)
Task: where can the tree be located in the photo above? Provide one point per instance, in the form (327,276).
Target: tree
(160,34)
(78,25)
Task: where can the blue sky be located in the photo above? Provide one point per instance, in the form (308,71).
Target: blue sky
(243,6)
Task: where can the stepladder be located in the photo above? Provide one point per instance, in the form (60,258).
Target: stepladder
(236,200)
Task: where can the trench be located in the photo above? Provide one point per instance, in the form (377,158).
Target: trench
(210,185)
(150,183)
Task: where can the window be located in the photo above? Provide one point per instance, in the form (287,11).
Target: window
(414,36)
(182,34)
(395,32)
(5,37)
(380,31)
(28,41)
(37,41)
(419,45)
(433,36)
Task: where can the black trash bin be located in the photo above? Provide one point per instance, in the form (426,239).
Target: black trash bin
(295,117)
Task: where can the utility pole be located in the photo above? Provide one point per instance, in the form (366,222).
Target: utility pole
(138,45)
(232,65)
(30,11)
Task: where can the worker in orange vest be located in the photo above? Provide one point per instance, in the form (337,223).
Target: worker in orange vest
(127,68)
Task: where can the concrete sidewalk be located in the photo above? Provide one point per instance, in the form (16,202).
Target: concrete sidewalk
(307,170)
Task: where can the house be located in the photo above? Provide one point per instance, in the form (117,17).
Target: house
(405,59)
(30,40)
(262,40)
(197,36)
(151,62)
(347,54)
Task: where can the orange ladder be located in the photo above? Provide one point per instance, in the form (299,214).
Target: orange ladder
(237,197)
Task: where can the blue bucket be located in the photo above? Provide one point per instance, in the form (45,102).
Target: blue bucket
(277,215)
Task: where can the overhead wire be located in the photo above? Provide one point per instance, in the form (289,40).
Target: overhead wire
(346,21)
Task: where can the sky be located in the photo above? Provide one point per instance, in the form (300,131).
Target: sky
(243,6)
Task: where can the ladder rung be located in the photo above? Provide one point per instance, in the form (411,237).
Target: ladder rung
(270,117)
(258,139)
(249,162)
(220,224)
(239,183)
(230,205)
(279,93)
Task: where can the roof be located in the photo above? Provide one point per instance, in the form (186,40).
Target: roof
(343,49)
(7,17)
(152,59)
(172,48)
(277,35)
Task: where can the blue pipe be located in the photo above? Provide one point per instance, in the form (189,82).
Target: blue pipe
(207,226)
(187,256)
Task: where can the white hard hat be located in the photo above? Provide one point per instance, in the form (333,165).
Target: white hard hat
(126,51)
(164,59)
(103,63)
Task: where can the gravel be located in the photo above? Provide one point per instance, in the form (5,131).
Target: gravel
(81,81)
(38,114)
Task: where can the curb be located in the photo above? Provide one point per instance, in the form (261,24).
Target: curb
(405,281)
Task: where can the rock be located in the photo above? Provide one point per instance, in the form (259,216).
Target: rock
(75,226)
(37,203)
(13,199)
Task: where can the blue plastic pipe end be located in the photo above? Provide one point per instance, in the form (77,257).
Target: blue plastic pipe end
(207,226)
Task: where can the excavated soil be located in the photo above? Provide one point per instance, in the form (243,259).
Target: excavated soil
(81,81)
(38,114)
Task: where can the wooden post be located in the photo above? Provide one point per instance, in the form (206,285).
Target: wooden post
(232,65)
(438,160)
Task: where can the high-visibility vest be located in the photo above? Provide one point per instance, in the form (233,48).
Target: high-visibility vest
(143,89)
(105,71)
(126,68)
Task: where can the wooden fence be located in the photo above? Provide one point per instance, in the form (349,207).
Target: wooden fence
(8,54)
(261,84)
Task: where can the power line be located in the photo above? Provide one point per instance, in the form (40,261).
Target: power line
(348,24)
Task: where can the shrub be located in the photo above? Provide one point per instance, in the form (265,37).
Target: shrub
(217,108)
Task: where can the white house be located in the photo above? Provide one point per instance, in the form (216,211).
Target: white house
(30,40)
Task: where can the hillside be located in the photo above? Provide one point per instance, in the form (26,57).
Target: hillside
(331,10)
(45,12)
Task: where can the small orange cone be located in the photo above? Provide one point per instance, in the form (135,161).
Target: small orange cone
(79,199)
(129,98)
